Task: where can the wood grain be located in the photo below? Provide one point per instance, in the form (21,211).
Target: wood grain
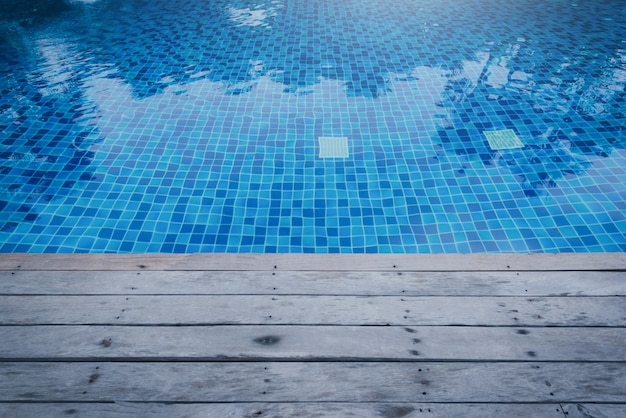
(502,283)
(317,262)
(312,310)
(233,335)
(314,382)
(300,409)
(311,343)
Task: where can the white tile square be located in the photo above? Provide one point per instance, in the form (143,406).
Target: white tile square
(503,139)
(333,147)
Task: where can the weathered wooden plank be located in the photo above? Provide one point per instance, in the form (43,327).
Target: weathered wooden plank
(332,262)
(311,343)
(312,310)
(358,410)
(298,410)
(594,411)
(314,382)
(504,283)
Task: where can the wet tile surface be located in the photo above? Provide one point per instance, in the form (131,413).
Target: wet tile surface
(171,126)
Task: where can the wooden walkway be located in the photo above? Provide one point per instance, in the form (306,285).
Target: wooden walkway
(224,335)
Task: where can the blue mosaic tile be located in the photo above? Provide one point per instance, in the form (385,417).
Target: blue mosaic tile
(173,126)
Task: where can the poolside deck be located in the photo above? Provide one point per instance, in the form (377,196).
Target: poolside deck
(226,335)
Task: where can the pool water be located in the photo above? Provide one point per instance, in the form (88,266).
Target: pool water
(202,126)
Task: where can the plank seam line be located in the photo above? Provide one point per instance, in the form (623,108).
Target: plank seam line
(263,360)
(260,325)
(27,402)
(304,324)
(353,270)
(295,402)
(312,270)
(377,270)
(314,295)
(318,270)
(310,325)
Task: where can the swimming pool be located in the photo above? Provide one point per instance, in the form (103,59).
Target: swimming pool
(313,126)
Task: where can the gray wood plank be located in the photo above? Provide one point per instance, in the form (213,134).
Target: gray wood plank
(594,411)
(505,283)
(314,382)
(332,262)
(261,343)
(312,310)
(298,410)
